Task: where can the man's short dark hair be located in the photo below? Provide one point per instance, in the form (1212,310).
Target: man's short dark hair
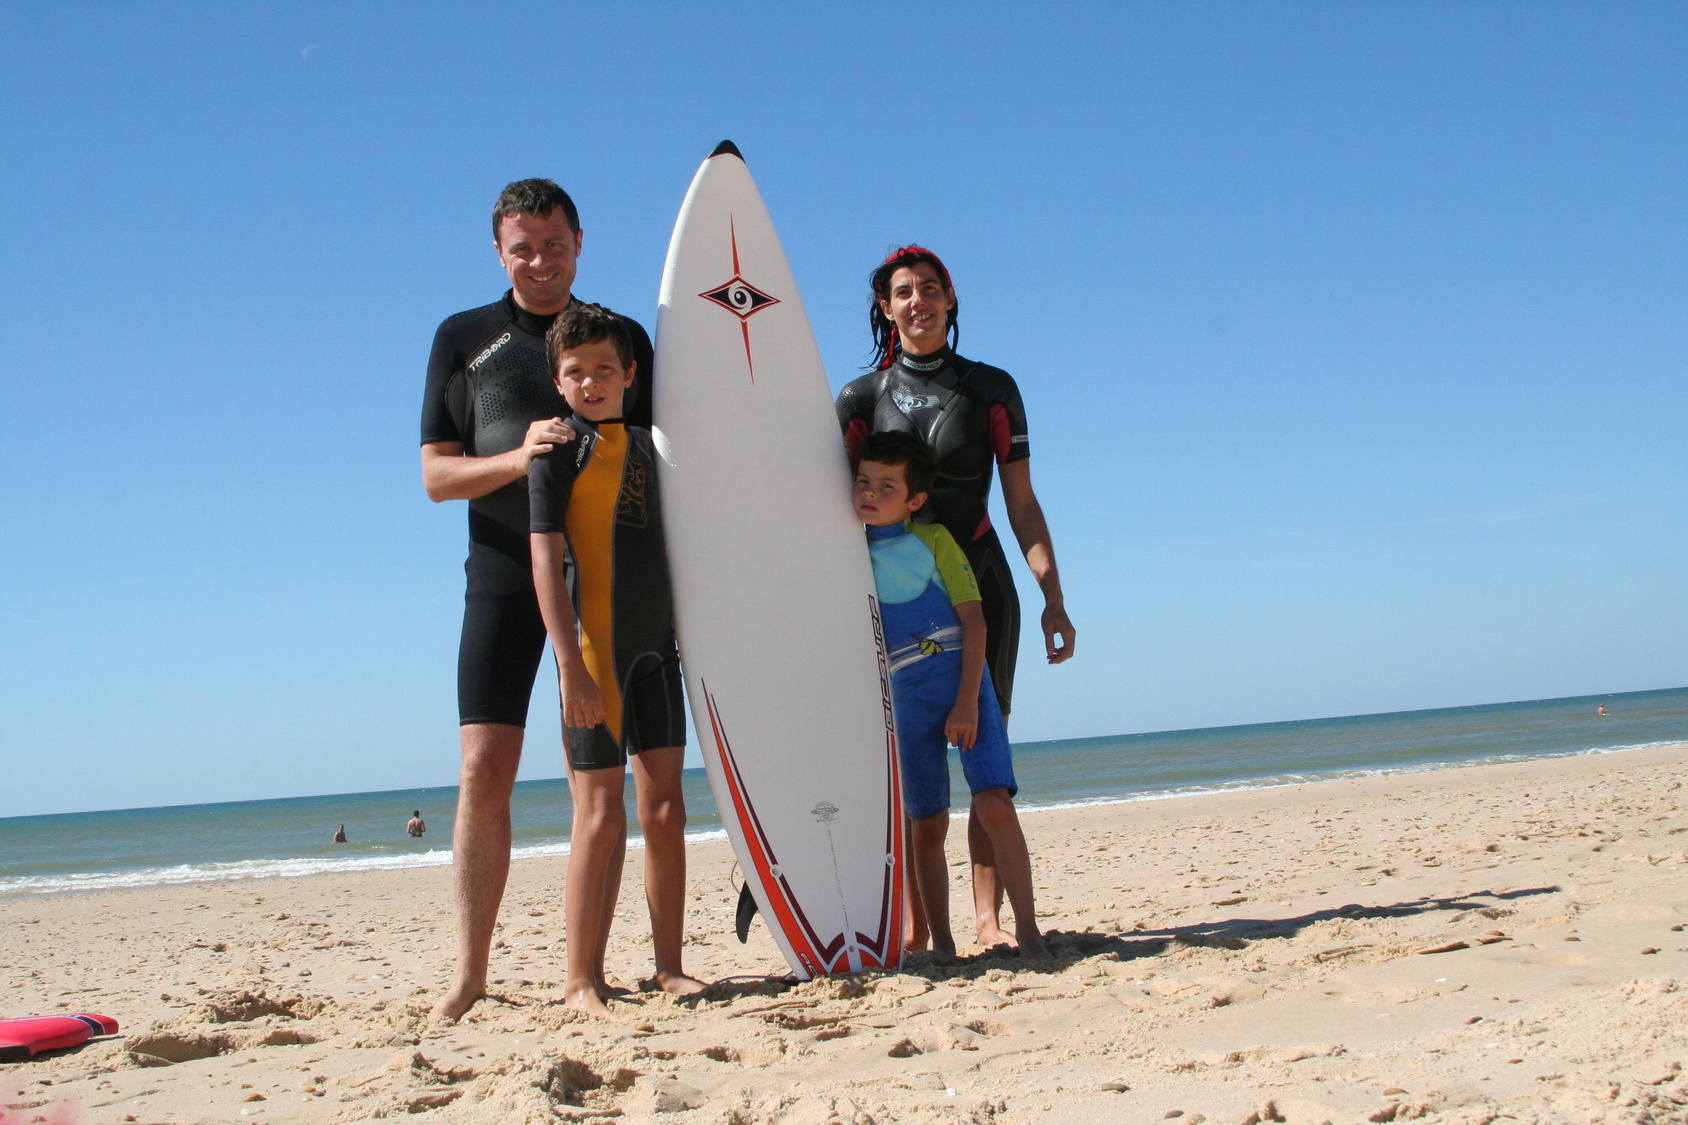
(533,197)
(892,447)
(581,323)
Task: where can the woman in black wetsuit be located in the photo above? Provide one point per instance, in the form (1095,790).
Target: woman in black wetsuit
(971,415)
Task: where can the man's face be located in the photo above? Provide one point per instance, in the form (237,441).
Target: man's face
(539,252)
(593,380)
(881,494)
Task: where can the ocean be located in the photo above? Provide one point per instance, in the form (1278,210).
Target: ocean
(291,836)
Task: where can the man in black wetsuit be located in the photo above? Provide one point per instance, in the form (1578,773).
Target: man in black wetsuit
(490,407)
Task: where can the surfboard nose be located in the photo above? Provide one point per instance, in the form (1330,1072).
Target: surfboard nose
(727,148)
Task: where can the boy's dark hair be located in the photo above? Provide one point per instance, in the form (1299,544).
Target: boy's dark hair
(581,323)
(533,197)
(891,447)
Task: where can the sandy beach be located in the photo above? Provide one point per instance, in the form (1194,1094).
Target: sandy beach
(1501,942)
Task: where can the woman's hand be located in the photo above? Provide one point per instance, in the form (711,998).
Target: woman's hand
(962,726)
(1056,624)
(583,706)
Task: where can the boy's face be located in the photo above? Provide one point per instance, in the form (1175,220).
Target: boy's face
(881,494)
(593,380)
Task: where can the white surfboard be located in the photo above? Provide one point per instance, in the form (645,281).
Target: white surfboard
(773,590)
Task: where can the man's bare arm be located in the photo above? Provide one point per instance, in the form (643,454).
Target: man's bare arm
(448,475)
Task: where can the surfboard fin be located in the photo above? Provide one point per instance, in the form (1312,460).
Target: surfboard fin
(746,911)
(727,148)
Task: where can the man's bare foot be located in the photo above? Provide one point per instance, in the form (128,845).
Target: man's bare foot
(1032,947)
(457,1001)
(585,998)
(991,935)
(679,984)
(943,953)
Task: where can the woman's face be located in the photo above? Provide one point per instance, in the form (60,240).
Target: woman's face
(919,305)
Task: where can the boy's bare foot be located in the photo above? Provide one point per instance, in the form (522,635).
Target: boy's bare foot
(608,991)
(916,945)
(585,998)
(943,953)
(993,935)
(679,984)
(458,1000)
(1032,947)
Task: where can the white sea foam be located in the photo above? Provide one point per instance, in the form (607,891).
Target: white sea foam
(274,868)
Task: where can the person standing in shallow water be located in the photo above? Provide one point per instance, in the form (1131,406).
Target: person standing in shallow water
(971,415)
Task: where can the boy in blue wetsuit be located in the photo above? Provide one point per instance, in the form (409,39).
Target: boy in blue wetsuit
(935,637)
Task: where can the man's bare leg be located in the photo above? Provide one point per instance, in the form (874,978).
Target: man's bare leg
(662,818)
(599,833)
(931,875)
(987,886)
(994,809)
(480,855)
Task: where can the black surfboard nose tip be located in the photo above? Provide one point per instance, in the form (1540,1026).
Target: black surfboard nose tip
(727,148)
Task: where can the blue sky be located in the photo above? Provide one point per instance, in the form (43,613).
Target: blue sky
(1352,336)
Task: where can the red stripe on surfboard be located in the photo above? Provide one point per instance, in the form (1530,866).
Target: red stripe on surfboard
(760,853)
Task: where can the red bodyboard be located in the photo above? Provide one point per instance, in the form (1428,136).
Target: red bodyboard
(22,1039)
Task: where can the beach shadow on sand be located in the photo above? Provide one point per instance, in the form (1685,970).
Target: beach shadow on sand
(1070,946)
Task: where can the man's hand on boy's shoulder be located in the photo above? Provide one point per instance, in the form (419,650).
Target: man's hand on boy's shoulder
(962,726)
(542,436)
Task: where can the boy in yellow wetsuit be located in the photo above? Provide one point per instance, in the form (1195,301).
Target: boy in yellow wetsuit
(619,671)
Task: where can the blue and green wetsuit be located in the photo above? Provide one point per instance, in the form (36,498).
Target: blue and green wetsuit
(922,575)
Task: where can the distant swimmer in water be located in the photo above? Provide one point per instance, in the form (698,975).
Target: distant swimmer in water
(416,827)
(1602,710)
(340,834)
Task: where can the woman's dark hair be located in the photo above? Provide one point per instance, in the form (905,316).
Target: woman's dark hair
(587,324)
(885,340)
(893,447)
(533,197)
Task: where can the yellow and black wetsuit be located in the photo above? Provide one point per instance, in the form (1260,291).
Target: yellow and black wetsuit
(600,491)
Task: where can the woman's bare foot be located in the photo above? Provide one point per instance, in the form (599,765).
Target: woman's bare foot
(992,935)
(584,997)
(458,1000)
(1032,947)
(679,984)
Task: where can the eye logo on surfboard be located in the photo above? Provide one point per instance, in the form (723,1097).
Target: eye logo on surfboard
(740,298)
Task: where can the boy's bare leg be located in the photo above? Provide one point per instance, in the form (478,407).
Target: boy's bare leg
(600,828)
(916,935)
(987,886)
(995,811)
(612,896)
(662,818)
(931,873)
(480,855)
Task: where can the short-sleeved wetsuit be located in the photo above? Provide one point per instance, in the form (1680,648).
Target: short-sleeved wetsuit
(600,491)
(487,382)
(921,576)
(971,415)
